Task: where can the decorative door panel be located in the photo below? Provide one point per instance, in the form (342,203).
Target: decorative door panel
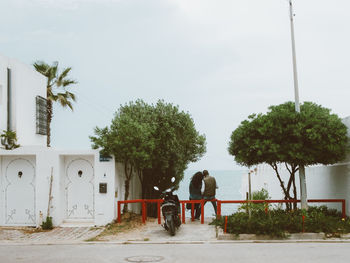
(80,189)
(19,188)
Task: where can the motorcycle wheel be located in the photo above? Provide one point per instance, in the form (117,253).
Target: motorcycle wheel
(171,225)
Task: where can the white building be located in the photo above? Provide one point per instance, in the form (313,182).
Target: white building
(85,185)
(20,86)
(322,181)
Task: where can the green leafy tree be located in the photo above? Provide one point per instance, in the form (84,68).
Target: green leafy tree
(176,144)
(283,136)
(56,89)
(128,139)
(154,141)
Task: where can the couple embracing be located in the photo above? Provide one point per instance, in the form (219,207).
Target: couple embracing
(205,191)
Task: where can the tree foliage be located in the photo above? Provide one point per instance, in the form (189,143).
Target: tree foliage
(56,89)
(155,141)
(313,136)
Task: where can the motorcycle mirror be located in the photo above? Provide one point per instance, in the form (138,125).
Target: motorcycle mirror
(155,188)
(172,179)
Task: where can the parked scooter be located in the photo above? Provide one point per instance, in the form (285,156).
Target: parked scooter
(170,209)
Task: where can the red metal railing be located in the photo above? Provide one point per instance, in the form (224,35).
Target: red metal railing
(143,207)
(219,204)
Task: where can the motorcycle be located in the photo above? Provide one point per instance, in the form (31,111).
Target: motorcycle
(170,209)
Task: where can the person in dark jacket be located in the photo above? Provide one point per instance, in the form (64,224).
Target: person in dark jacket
(195,192)
(210,187)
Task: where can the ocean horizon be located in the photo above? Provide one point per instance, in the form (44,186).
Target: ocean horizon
(229,182)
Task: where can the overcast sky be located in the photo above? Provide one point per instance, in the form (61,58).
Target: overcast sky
(219,60)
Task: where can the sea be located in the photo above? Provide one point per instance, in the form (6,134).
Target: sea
(229,182)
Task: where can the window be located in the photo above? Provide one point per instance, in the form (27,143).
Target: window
(41,115)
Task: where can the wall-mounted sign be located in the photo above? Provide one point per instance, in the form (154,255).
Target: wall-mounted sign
(105,158)
(41,115)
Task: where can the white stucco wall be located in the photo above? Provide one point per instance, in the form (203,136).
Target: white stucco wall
(26,84)
(45,159)
(323,182)
(134,190)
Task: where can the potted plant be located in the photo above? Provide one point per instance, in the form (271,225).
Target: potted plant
(9,139)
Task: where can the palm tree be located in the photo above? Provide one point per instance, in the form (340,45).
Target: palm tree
(56,89)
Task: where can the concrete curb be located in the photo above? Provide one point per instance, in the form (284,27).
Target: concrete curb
(173,242)
(290,237)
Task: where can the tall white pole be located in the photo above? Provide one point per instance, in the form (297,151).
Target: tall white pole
(303,193)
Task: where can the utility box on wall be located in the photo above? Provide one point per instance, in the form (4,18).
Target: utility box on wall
(103,188)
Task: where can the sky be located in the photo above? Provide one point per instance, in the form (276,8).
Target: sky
(220,60)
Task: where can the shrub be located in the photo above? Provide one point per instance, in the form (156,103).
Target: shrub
(47,224)
(279,222)
(256,195)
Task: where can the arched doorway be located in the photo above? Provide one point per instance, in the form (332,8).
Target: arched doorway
(80,189)
(19,188)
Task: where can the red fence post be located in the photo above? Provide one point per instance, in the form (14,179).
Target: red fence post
(143,211)
(158,211)
(145,207)
(202,211)
(219,209)
(343,208)
(192,211)
(118,211)
(183,213)
(225,229)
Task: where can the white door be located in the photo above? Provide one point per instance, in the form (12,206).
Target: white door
(80,189)
(19,188)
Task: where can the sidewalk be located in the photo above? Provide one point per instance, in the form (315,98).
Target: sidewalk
(149,233)
(153,232)
(28,235)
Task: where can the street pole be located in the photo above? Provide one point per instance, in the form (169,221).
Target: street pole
(303,194)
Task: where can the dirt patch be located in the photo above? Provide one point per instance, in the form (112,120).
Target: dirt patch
(130,222)
(24,230)
(32,230)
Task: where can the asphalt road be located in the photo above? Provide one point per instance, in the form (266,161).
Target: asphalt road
(182,253)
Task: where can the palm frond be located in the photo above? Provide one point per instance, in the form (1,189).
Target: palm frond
(69,104)
(53,71)
(63,99)
(41,67)
(62,76)
(68,82)
(71,95)
(52,97)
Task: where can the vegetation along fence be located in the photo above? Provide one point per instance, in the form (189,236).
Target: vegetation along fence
(219,204)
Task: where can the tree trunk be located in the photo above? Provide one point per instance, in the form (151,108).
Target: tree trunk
(128,174)
(49,119)
(294,193)
(142,182)
(285,191)
(126,195)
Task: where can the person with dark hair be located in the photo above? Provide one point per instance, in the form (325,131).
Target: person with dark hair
(210,187)
(195,192)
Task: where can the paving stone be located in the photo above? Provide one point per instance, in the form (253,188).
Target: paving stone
(55,235)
